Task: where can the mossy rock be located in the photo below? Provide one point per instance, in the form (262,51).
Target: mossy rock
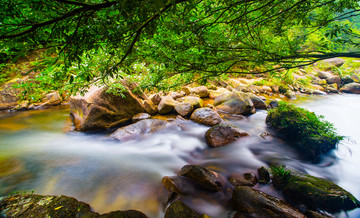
(314,192)
(312,135)
(180,210)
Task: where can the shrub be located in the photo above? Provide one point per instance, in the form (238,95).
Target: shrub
(309,132)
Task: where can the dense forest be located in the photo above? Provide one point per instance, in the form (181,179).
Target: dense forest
(179,108)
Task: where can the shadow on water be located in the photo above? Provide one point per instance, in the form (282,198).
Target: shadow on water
(39,153)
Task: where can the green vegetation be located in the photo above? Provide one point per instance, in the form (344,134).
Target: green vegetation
(309,132)
(165,43)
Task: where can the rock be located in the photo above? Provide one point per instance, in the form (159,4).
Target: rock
(353,88)
(325,74)
(275,89)
(290,94)
(215,93)
(140,116)
(176,95)
(223,134)
(180,210)
(258,102)
(8,95)
(264,175)
(331,90)
(140,128)
(206,116)
(52,99)
(184,109)
(314,192)
(99,109)
(186,90)
(355,77)
(201,91)
(330,63)
(207,179)
(322,82)
(234,103)
(251,201)
(32,205)
(166,105)
(265,89)
(150,107)
(273,104)
(347,79)
(196,102)
(315,214)
(318,92)
(333,79)
(247,179)
(155,98)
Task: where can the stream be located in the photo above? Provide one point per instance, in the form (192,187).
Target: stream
(39,153)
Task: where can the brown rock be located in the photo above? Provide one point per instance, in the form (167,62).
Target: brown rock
(196,102)
(251,201)
(258,102)
(333,79)
(247,179)
(207,179)
(52,99)
(184,109)
(206,116)
(180,210)
(155,98)
(353,88)
(234,103)
(264,175)
(99,109)
(201,91)
(222,134)
(166,105)
(150,107)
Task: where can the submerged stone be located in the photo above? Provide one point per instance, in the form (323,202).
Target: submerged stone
(206,178)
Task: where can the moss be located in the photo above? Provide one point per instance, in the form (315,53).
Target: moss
(309,132)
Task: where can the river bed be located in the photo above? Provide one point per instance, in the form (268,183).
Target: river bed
(39,153)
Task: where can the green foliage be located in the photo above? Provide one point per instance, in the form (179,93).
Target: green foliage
(311,133)
(281,172)
(176,41)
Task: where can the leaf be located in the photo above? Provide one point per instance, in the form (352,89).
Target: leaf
(57,208)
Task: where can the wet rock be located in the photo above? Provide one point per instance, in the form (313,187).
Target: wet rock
(184,109)
(251,201)
(140,128)
(150,107)
(166,105)
(314,192)
(206,116)
(52,99)
(318,92)
(258,102)
(330,63)
(347,79)
(331,90)
(264,175)
(32,205)
(247,179)
(223,134)
(353,88)
(196,102)
(99,109)
(201,91)
(207,179)
(176,95)
(155,98)
(140,116)
(180,210)
(234,103)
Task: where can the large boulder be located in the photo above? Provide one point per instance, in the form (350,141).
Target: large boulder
(314,192)
(32,205)
(52,99)
(234,103)
(100,109)
(9,96)
(333,79)
(223,134)
(140,128)
(206,116)
(206,178)
(351,88)
(250,201)
(196,102)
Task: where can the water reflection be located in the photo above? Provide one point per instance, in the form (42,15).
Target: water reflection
(38,153)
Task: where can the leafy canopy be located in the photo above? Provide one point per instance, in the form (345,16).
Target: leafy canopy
(162,43)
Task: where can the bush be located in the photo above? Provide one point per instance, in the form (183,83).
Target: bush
(310,133)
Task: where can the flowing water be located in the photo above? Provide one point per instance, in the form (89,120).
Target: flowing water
(40,153)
